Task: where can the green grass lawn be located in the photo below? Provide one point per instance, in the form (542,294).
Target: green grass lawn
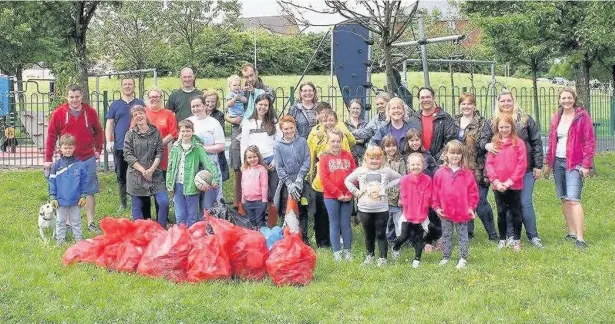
(557,284)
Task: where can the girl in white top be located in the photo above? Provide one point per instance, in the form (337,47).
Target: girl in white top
(260,130)
(210,132)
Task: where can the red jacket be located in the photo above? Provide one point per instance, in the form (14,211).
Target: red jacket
(509,163)
(415,195)
(455,193)
(581,144)
(333,171)
(86,129)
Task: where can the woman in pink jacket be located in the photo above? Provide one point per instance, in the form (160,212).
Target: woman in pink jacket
(570,154)
(455,197)
(505,172)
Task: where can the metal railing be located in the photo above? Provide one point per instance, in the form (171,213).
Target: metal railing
(29,117)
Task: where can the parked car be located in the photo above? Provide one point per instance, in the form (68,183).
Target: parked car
(543,80)
(594,83)
(560,81)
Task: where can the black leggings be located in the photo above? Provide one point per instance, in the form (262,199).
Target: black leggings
(509,201)
(374,225)
(414,232)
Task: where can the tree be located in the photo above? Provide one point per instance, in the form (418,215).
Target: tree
(130,34)
(25,40)
(516,32)
(74,19)
(385,19)
(585,35)
(188,19)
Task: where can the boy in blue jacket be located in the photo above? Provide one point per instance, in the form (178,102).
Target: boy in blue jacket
(67,189)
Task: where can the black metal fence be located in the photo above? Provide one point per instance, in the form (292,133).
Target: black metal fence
(29,116)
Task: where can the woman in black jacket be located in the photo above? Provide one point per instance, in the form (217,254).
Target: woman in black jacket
(529,131)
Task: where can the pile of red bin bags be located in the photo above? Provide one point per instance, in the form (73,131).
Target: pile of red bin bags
(212,249)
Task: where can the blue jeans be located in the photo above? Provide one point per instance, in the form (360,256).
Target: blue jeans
(92,178)
(186,207)
(162,199)
(485,213)
(527,208)
(208,198)
(256,212)
(568,184)
(339,219)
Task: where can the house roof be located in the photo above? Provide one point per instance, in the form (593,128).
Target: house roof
(285,24)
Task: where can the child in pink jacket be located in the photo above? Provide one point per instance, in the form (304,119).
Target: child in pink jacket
(254,186)
(505,171)
(455,197)
(415,199)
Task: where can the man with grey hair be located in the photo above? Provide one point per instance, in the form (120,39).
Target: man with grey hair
(179,100)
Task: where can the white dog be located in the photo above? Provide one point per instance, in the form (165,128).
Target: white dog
(47,219)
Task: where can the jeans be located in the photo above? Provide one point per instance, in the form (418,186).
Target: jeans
(256,212)
(186,207)
(568,184)
(485,213)
(374,225)
(527,207)
(339,219)
(508,202)
(321,221)
(207,200)
(73,214)
(163,203)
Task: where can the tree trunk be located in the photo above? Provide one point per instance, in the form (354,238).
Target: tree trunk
(582,82)
(141,85)
(534,68)
(20,94)
(82,66)
(388,69)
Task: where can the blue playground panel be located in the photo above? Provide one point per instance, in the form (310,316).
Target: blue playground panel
(350,60)
(4,96)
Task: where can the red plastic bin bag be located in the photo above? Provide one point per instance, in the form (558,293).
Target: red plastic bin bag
(208,260)
(117,229)
(144,232)
(85,251)
(109,256)
(224,230)
(128,257)
(291,262)
(198,230)
(248,255)
(167,254)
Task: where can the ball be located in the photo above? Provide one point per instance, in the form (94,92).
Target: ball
(203,177)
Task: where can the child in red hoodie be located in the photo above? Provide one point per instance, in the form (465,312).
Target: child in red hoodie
(455,197)
(335,165)
(505,172)
(415,199)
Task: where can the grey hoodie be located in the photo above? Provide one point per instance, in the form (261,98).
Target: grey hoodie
(292,163)
(292,159)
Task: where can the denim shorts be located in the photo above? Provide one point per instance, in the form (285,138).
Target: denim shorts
(568,183)
(90,166)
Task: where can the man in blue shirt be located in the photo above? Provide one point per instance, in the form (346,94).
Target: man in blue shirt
(118,123)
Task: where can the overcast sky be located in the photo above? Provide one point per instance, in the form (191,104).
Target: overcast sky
(256,8)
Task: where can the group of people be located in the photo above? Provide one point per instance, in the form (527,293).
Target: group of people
(407,175)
